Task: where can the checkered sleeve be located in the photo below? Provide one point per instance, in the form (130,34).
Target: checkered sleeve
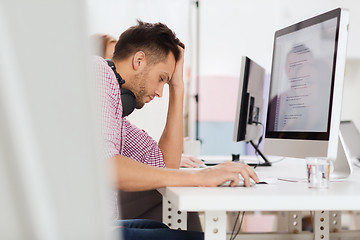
(108,94)
(108,107)
(141,147)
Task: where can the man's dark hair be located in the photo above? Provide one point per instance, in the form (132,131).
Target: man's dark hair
(156,40)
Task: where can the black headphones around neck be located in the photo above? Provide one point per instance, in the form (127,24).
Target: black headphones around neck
(128,98)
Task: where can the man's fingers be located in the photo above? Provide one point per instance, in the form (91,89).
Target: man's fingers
(185,162)
(245,175)
(254,176)
(245,171)
(192,161)
(251,173)
(196,160)
(235,181)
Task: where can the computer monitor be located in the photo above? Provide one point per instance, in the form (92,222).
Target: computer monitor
(306,90)
(250,105)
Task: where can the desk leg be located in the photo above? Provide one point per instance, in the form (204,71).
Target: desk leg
(295,222)
(215,225)
(172,217)
(166,212)
(290,222)
(335,221)
(321,225)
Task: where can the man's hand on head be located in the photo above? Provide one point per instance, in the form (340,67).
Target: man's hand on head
(177,78)
(171,140)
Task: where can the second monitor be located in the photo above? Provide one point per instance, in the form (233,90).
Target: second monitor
(250,105)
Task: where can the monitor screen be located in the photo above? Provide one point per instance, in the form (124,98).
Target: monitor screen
(306,86)
(302,80)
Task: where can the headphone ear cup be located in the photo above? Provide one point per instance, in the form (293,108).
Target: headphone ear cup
(128,101)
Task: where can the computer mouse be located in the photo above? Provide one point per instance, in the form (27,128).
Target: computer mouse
(240,184)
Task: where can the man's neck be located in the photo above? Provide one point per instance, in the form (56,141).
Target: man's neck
(121,68)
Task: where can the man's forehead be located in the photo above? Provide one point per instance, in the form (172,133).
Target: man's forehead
(167,67)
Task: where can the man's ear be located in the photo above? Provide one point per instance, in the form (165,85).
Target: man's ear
(139,60)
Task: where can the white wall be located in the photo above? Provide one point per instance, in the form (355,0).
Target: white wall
(232,28)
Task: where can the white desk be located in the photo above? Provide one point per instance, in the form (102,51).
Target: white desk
(282,196)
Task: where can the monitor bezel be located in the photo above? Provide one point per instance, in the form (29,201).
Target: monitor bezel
(321,136)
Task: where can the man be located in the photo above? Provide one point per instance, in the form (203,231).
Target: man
(148,56)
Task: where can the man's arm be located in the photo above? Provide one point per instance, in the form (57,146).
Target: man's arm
(131,176)
(140,146)
(171,140)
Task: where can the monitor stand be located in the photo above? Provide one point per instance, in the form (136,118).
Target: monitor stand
(342,167)
(266,162)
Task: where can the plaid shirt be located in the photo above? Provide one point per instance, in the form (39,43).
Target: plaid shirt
(120,136)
